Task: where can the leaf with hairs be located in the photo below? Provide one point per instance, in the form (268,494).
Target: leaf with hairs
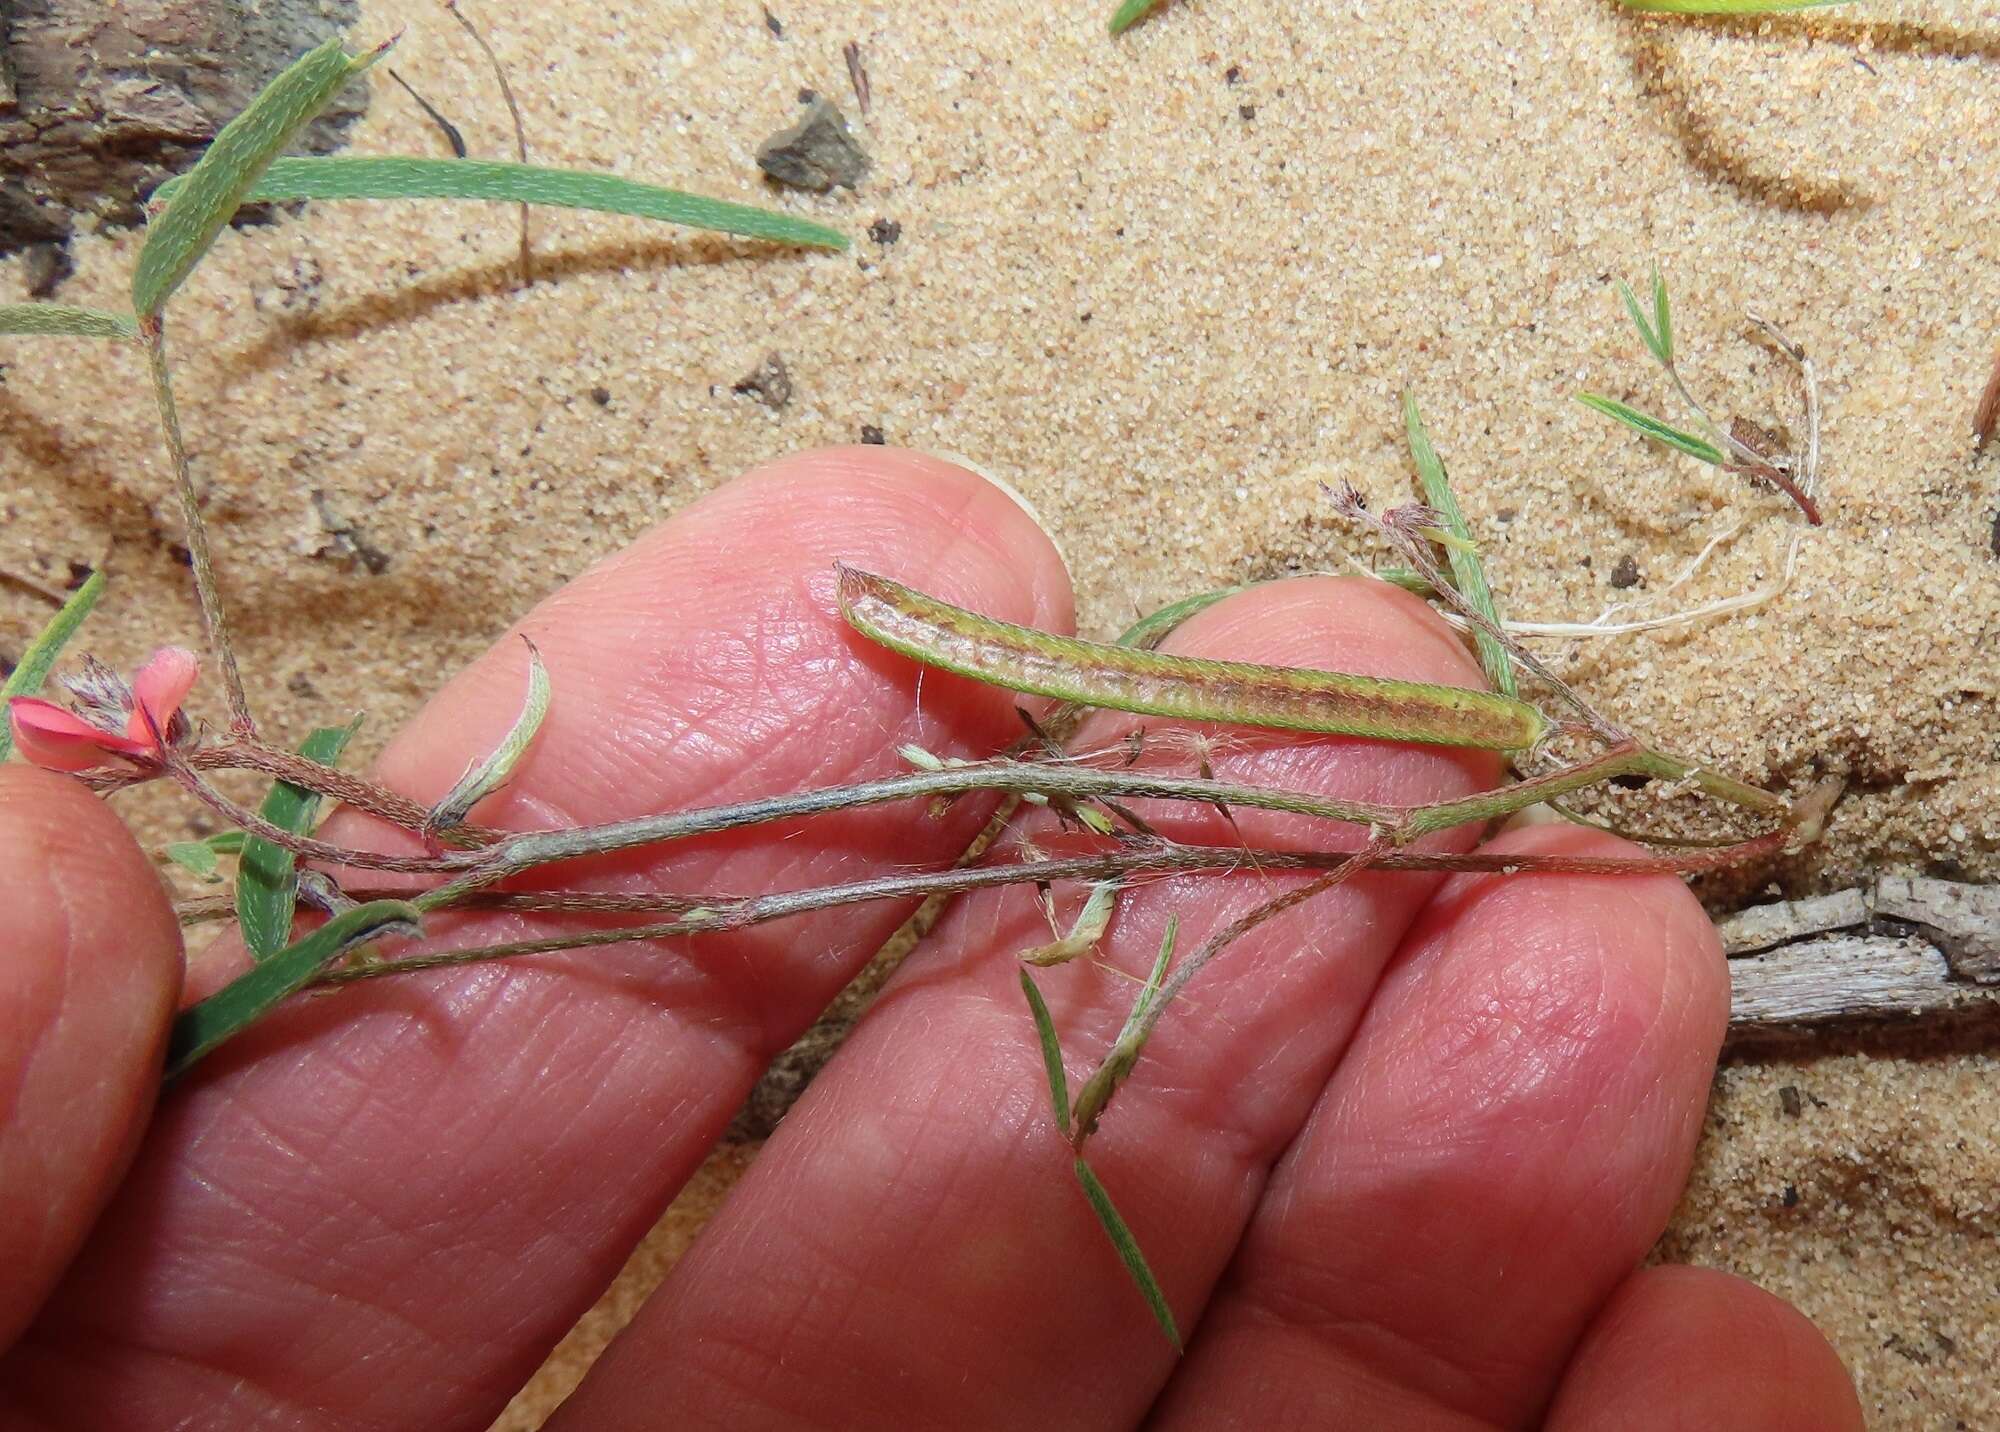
(267,889)
(1467,572)
(209,194)
(43,652)
(1128,1251)
(397,177)
(485,777)
(1663,318)
(200,1028)
(65,320)
(1052,1060)
(1653,428)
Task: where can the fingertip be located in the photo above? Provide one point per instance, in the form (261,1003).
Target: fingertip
(1678,1349)
(86,991)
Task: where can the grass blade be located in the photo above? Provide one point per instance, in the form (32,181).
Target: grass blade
(1128,679)
(42,653)
(397,177)
(1663,318)
(1052,1060)
(1647,334)
(1131,12)
(65,320)
(245,1000)
(1653,428)
(267,889)
(1128,1251)
(1150,991)
(1467,573)
(210,193)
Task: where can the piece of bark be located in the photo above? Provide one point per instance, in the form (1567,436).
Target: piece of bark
(104,101)
(1763,926)
(1786,996)
(1961,920)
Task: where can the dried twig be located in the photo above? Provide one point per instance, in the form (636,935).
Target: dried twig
(520,130)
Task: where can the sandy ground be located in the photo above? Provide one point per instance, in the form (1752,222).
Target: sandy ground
(1166,286)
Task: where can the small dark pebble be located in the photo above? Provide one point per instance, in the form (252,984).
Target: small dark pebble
(1791,1197)
(1506,514)
(601,396)
(1790,1102)
(45,266)
(1584,563)
(773,23)
(1231,75)
(885,231)
(1248,111)
(1626,573)
(770,382)
(817,153)
(807,96)
(299,684)
(79,573)
(1996,534)
(872,435)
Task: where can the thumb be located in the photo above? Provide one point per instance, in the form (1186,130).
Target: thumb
(90,968)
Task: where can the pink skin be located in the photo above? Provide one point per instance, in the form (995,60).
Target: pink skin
(381,1208)
(57,739)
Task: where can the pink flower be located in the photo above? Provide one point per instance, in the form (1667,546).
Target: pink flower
(148,710)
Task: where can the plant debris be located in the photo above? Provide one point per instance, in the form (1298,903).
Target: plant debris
(450,131)
(817,154)
(857,73)
(1626,573)
(769,382)
(1987,414)
(344,540)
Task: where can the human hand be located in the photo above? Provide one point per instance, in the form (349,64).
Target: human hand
(1395,1158)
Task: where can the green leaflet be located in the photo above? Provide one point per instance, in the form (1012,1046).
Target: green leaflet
(1468,574)
(267,888)
(210,193)
(1052,1060)
(65,320)
(42,653)
(1128,679)
(483,778)
(1128,1251)
(245,1000)
(1131,12)
(1653,428)
(368,177)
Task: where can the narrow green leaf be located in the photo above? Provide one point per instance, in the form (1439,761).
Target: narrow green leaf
(65,320)
(1128,1251)
(1150,991)
(42,653)
(1132,679)
(210,193)
(1131,12)
(1052,1060)
(1467,572)
(397,177)
(1663,318)
(1726,7)
(1647,334)
(1653,428)
(484,778)
(229,842)
(239,1004)
(267,891)
(197,856)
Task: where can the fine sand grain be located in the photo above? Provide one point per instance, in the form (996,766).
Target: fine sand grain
(1166,286)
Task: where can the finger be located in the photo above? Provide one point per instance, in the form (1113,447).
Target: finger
(443,1170)
(1695,1350)
(87,982)
(911,1249)
(1506,1137)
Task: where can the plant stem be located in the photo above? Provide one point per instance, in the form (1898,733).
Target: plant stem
(153,330)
